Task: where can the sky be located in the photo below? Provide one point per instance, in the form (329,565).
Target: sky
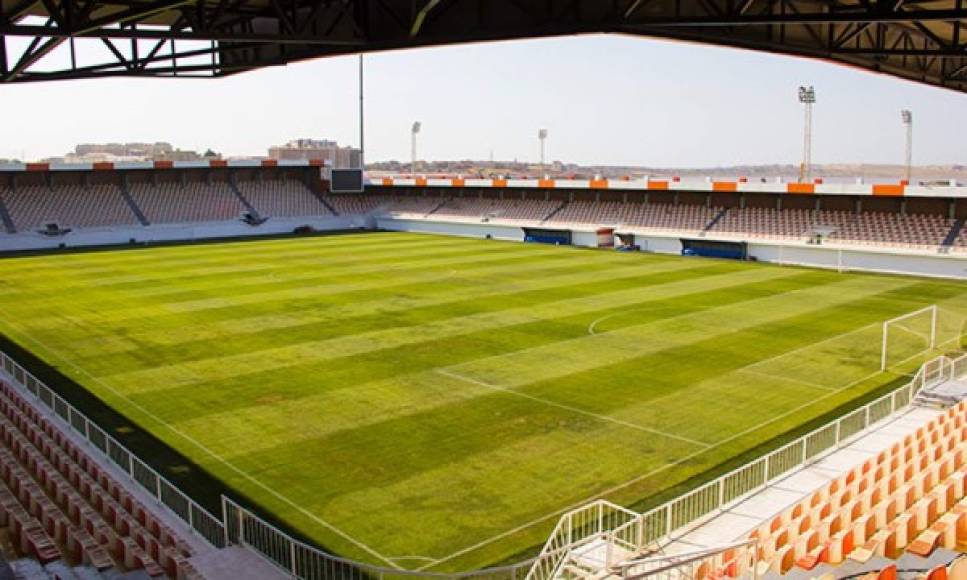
(609,100)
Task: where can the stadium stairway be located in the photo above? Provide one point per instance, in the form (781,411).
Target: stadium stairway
(5,216)
(952,235)
(944,395)
(554,212)
(438,207)
(715,220)
(908,501)
(895,490)
(322,199)
(245,202)
(142,219)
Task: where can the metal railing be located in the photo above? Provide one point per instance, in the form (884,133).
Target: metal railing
(302,560)
(648,531)
(619,530)
(237,525)
(958,367)
(738,559)
(597,519)
(166,493)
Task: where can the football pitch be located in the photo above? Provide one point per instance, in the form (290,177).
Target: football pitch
(435,403)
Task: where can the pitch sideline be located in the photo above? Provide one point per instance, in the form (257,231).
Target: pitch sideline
(665,467)
(220,459)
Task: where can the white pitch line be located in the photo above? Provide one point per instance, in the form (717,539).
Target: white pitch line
(423,558)
(221,459)
(786,379)
(658,470)
(602,319)
(810,345)
(579,410)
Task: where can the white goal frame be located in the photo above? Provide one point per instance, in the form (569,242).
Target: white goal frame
(932,309)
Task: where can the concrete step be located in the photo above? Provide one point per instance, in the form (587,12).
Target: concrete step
(928,398)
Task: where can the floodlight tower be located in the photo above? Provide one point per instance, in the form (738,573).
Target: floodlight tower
(542,135)
(807,96)
(907,117)
(413,133)
(362,123)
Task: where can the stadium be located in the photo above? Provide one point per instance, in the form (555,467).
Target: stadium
(276,368)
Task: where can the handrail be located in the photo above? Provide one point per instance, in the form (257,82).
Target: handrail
(600,519)
(302,560)
(677,516)
(673,561)
(175,501)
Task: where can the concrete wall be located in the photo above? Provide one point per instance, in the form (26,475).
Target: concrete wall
(175,232)
(834,257)
(473,230)
(840,258)
(868,260)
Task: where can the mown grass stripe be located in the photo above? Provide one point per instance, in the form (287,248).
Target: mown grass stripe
(185,255)
(280,358)
(240,335)
(607,347)
(431,479)
(375,442)
(211,275)
(381,298)
(298,402)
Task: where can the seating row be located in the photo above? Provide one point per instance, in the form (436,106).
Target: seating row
(910,492)
(80,505)
(283,198)
(955,570)
(175,202)
(32,207)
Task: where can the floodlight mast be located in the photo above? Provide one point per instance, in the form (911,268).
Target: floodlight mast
(362,122)
(807,96)
(907,117)
(414,131)
(542,136)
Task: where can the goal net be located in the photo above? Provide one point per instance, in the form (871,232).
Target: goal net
(909,335)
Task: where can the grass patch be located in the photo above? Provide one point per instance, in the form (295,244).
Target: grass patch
(442,399)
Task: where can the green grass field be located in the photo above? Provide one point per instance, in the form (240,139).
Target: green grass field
(435,403)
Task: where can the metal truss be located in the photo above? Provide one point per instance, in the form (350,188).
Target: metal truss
(917,40)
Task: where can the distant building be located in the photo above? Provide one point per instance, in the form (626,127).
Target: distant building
(116,152)
(142,150)
(179,155)
(304,149)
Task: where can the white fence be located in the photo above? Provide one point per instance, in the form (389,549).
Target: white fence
(177,502)
(302,560)
(237,525)
(647,532)
(621,530)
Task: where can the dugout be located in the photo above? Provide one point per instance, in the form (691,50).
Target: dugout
(605,237)
(627,242)
(547,236)
(715,249)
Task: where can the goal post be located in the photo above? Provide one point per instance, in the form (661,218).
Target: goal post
(912,334)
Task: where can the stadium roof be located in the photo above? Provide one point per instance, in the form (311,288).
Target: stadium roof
(921,41)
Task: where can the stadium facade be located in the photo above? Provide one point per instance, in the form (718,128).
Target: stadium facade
(897,227)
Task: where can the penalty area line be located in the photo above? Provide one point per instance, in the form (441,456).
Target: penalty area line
(773,377)
(571,408)
(661,469)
